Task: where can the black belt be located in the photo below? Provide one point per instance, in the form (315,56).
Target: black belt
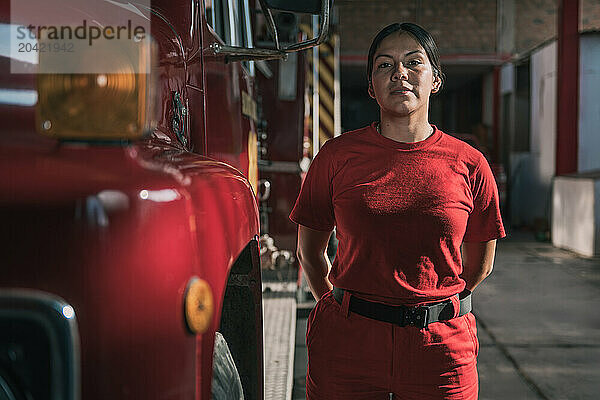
(404,315)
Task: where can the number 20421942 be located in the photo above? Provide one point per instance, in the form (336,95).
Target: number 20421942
(46,47)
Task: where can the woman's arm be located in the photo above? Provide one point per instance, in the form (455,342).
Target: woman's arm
(315,263)
(478,261)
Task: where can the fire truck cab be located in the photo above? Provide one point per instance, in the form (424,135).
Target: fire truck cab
(128,209)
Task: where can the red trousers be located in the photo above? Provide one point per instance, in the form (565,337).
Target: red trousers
(353,357)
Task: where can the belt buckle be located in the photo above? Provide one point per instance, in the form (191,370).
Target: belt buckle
(416,316)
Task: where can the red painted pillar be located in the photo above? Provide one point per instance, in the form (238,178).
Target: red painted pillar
(567,87)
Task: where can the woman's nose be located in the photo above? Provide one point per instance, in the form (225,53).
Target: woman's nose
(399,73)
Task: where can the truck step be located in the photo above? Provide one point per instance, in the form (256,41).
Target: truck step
(279,314)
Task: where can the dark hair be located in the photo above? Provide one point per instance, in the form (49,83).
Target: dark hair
(420,35)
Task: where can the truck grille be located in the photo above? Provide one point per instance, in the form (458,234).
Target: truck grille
(39,347)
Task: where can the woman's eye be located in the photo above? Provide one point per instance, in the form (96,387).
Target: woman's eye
(383,65)
(413,63)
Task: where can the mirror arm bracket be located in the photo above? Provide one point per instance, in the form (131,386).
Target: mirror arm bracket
(324,29)
(270,23)
(234,53)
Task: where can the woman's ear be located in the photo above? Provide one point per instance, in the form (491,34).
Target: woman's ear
(371,91)
(437,84)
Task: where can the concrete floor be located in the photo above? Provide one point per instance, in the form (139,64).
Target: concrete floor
(538,325)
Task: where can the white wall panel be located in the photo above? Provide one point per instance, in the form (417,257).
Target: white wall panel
(532,172)
(543,111)
(575,209)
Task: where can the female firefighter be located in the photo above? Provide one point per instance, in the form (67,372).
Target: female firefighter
(417,217)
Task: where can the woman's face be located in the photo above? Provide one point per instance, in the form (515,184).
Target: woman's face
(402,77)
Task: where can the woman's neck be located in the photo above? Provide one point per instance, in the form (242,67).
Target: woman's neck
(405,129)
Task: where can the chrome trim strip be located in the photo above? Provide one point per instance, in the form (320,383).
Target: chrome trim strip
(248,25)
(233,39)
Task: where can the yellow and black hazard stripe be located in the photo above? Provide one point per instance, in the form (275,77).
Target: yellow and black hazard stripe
(328,67)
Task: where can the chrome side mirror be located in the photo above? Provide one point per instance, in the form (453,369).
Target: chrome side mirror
(320,7)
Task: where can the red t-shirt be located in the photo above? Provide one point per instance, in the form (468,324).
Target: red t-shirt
(401,211)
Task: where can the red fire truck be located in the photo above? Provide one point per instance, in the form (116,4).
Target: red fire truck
(128,214)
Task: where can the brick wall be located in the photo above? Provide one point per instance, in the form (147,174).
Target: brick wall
(535,23)
(589,15)
(458,26)
(361,20)
(461,26)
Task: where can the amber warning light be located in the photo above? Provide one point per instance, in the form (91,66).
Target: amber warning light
(94,71)
(95,106)
(98,106)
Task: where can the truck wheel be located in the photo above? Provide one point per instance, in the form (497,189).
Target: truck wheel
(226,383)
(9,389)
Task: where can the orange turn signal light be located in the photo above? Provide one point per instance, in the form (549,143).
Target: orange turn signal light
(199,306)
